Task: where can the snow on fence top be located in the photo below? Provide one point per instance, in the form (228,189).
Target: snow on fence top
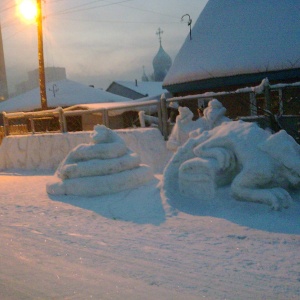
(259,89)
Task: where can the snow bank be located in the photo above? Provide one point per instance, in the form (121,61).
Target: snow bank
(45,152)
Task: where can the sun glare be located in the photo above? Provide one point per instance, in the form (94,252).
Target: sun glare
(28,10)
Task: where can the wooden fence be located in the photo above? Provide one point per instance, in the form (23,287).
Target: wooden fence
(14,130)
(160,106)
(30,118)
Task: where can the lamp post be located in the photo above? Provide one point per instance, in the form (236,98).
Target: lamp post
(189,23)
(42,81)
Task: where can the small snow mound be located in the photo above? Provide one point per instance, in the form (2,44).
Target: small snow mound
(104,166)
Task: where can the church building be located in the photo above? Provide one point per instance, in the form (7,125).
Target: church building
(150,86)
(161,62)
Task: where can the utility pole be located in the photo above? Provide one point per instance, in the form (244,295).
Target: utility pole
(42,80)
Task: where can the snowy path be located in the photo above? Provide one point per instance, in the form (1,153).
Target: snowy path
(125,246)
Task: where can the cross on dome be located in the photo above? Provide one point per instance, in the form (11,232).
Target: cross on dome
(159,33)
(162,61)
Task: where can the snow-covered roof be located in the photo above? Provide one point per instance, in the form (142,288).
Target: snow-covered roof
(118,108)
(146,88)
(237,37)
(60,93)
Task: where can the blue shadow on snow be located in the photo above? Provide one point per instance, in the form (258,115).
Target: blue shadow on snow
(141,205)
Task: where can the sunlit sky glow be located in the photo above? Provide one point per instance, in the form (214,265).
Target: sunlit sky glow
(27,10)
(96,41)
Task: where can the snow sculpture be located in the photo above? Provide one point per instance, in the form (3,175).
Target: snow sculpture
(259,165)
(183,126)
(105,166)
(213,116)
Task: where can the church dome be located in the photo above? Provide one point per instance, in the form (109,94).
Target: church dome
(161,62)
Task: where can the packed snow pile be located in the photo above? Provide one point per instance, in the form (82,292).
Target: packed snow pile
(47,151)
(213,116)
(260,166)
(102,167)
(38,151)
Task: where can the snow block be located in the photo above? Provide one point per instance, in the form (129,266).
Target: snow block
(47,151)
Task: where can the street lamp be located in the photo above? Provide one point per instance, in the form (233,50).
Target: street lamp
(189,23)
(33,11)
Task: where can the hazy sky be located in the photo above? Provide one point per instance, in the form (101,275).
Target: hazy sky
(96,41)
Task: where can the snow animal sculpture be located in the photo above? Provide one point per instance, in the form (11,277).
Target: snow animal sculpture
(213,116)
(259,165)
(103,167)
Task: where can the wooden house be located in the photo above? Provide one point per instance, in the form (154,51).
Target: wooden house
(235,44)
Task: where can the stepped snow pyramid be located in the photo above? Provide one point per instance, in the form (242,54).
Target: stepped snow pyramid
(103,167)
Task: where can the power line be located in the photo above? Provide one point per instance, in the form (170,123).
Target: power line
(147,10)
(9,23)
(14,34)
(115,21)
(83,7)
(8,8)
(78,9)
(70,10)
(54,1)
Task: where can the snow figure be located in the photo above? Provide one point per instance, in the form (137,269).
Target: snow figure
(173,106)
(213,116)
(183,126)
(259,165)
(103,167)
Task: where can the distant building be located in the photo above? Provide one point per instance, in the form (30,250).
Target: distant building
(3,79)
(161,62)
(66,93)
(51,74)
(144,76)
(137,89)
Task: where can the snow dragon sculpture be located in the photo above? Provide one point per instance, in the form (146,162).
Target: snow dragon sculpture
(260,166)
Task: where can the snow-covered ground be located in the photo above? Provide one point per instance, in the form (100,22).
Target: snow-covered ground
(136,245)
